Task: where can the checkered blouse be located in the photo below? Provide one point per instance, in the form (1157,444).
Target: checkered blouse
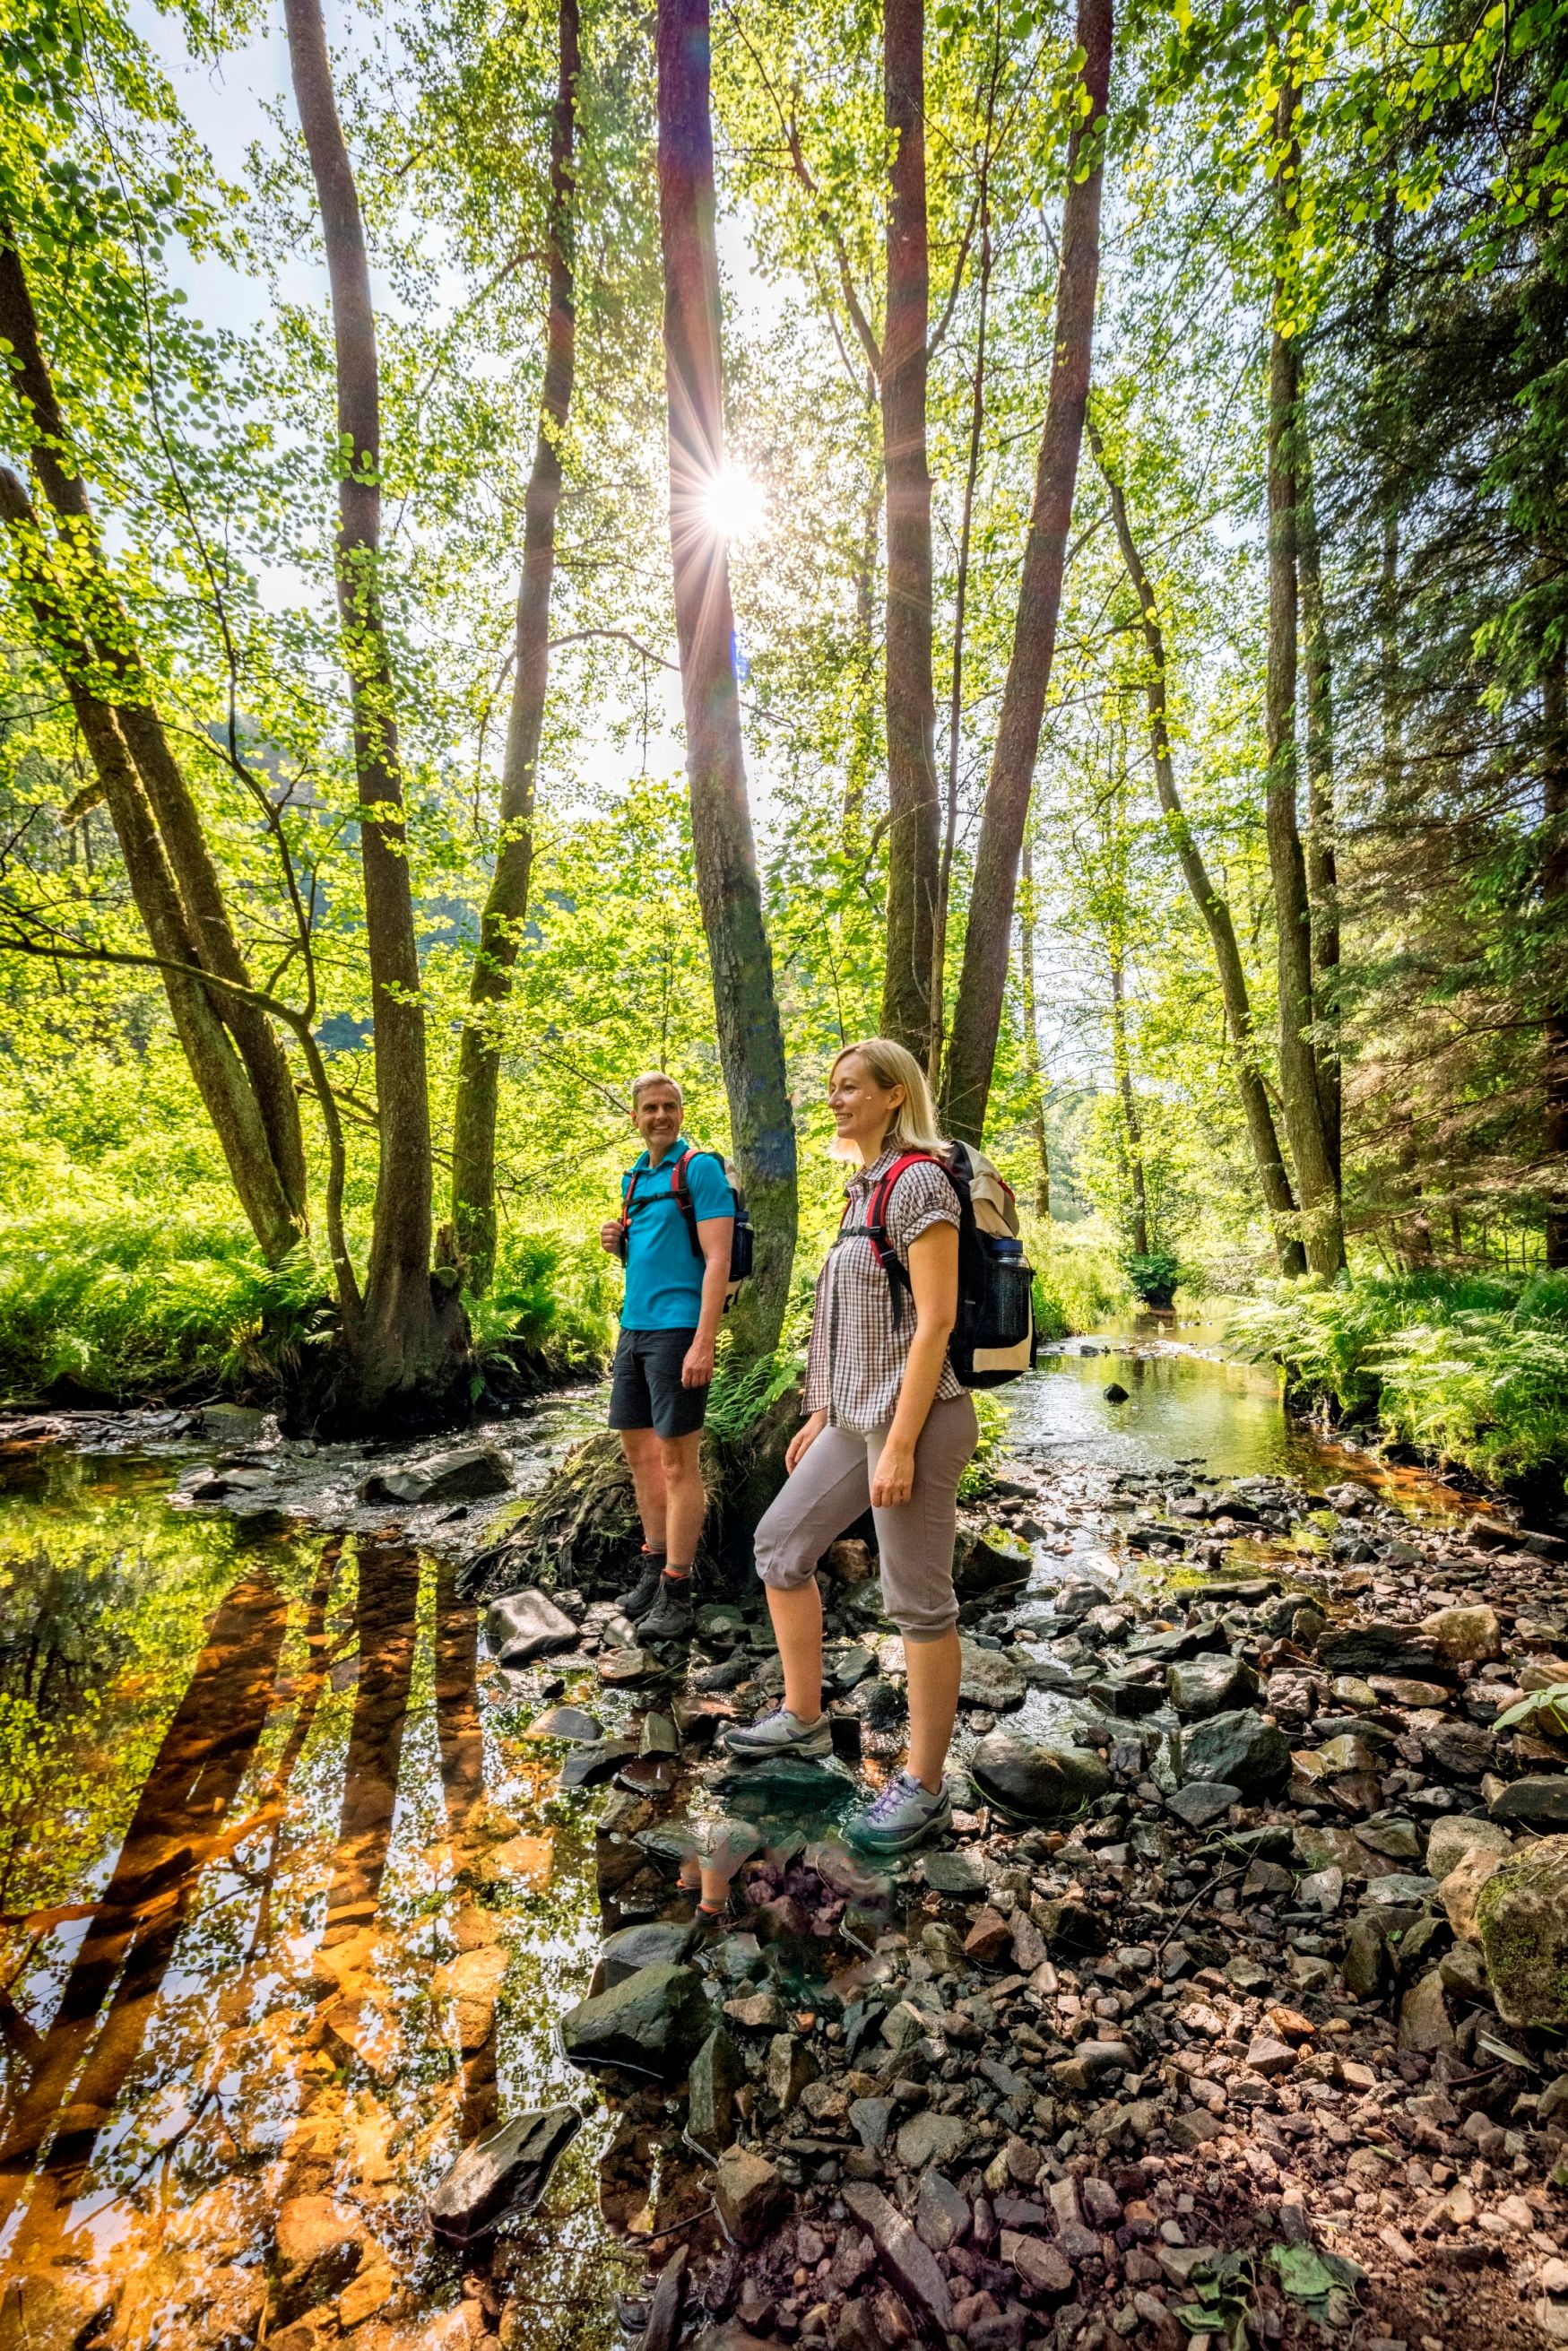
(855,1364)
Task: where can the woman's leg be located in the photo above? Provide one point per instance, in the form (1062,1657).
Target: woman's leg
(826,1491)
(915,1540)
(934,1671)
(797,1615)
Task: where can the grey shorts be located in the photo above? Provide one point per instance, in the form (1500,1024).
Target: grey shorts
(831,1487)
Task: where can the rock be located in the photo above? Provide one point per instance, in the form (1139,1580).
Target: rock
(1468,1635)
(717,2073)
(941,2214)
(850,1560)
(1458,1834)
(654,1943)
(988,1678)
(468,1474)
(1522,1913)
(931,2138)
(870,2119)
(992,1562)
(1537,1802)
(1483,1533)
(1203,1801)
(1365,1963)
(1460,1889)
(1093,2062)
(320,2247)
(1267,2056)
(1212,1685)
(653,2021)
(749,2194)
(1240,1748)
(909,2262)
(566,1722)
(502,2175)
(990,1938)
(1423,2026)
(1115,1393)
(1041,1784)
(526,1625)
(1370,1647)
(1045,2268)
(954,1872)
(791,2065)
(622,1667)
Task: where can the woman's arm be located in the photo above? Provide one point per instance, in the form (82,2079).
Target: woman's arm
(933,1279)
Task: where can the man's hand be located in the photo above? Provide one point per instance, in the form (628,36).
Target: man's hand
(610,1236)
(894,1479)
(804,1436)
(697,1372)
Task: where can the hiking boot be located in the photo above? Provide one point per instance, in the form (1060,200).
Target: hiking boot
(672,1616)
(902,1815)
(778,1733)
(645,1591)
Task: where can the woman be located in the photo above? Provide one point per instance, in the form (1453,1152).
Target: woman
(888,1423)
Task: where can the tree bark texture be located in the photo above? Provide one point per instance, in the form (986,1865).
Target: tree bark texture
(913,814)
(1322,862)
(862,675)
(1323,1230)
(1273,1180)
(1555,897)
(1121,1065)
(750,1040)
(1033,1059)
(507,905)
(90,614)
(977,1017)
(408,1354)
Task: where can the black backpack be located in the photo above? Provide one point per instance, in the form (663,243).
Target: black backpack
(993,1336)
(741,1240)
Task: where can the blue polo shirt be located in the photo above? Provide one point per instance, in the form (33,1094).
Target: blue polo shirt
(663,1272)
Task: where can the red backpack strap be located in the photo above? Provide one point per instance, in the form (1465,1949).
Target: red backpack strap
(628,1194)
(680,1184)
(875,1228)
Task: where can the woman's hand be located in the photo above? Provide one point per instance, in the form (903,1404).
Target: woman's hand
(894,1479)
(804,1437)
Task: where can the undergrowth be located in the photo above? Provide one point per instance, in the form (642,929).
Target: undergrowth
(1471,1368)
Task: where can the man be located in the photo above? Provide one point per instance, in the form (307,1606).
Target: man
(663,1363)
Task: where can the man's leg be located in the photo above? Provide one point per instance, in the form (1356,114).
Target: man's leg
(631,1417)
(686,1497)
(645,1460)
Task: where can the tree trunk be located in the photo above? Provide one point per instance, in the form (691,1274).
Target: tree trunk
(914,815)
(1123,1068)
(1555,897)
(1272,1180)
(405,1357)
(1322,1230)
(221,1079)
(862,688)
(1033,1059)
(506,906)
(1322,866)
(977,1013)
(96,619)
(750,1041)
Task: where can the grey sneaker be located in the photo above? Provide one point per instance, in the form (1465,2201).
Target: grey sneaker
(778,1733)
(902,1815)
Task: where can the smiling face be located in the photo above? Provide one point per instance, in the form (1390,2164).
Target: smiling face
(657,1117)
(862,1109)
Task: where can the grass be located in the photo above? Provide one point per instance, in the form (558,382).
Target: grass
(1471,1368)
(142,1306)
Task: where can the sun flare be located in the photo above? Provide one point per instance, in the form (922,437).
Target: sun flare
(734,505)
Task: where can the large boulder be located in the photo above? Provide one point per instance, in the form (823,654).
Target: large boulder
(1212,1685)
(1239,1749)
(1039,1782)
(502,2175)
(651,1943)
(526,1625)
(993,1562)
(1522,1913)
(652,2021)
(988,1678)
(470,1473)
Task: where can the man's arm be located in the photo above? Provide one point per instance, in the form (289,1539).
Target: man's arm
(713,1237)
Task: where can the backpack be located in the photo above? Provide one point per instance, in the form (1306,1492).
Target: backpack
(993,1336)
(741,1240)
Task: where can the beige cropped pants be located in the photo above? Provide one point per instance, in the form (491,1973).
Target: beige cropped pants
(831,1487)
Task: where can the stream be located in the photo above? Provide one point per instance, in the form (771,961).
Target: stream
(289,1906)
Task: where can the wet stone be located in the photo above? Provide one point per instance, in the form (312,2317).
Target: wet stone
(566,1722)
(717,2072)
(1201,1803)
(959,1874)
(470,1473)
(526,1625)
(1037,1781)
(988,1678)
(653,2021)
(590,1766)
(1240,1748)
(654,1943)
(1213,1685)
(502,2175)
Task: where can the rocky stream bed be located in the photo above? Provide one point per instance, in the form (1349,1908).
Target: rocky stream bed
(1233,2011)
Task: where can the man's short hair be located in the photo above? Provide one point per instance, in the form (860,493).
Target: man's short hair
(656,1078)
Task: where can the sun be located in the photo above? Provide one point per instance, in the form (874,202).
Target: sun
(734,504)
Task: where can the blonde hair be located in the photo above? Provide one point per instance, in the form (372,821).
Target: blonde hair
(656,1078)
(913,1126)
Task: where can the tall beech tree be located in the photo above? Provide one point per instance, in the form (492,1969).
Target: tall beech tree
(1273,1180)
(1322,1224)
(506,906)
(913,807)
(750,1040)
(403,1353)
(977,1018)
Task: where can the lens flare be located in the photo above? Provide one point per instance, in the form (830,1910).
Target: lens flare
(733,504)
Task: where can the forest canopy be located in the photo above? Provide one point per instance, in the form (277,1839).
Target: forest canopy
(545,541)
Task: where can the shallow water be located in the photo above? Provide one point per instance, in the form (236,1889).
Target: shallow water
(258,1790)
